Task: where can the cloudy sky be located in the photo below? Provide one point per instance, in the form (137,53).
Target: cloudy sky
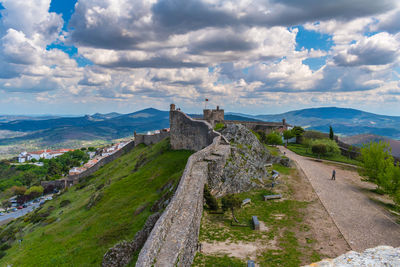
(254,56)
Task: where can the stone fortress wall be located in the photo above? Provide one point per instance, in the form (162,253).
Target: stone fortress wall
(74,179)
(174,238)
(214,116)
(187,133)
(149,139)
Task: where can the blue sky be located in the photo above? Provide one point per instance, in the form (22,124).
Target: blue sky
(87,56)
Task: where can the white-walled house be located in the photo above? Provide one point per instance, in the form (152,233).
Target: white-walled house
(41,154)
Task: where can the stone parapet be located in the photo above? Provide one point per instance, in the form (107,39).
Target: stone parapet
(173,240)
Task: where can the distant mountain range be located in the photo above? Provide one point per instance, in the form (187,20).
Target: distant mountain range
(51,130)
(345,121)
(360,139)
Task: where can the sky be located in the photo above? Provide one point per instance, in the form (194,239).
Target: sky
(255,57)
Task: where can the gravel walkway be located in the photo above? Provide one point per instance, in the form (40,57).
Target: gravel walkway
(362,222)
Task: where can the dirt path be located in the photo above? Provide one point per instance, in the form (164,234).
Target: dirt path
(362,222)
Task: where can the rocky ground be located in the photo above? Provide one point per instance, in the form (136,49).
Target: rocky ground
(377,257)
(246,167)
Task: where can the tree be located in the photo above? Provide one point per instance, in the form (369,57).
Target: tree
(376,157)
(34,192)
(231,202)
(18,190)
(319,149)
(6,204)
(263,137)
(211,201)
(288,134)
(298,132)
(54,169)
(274,138)
(331,135)
(307,142)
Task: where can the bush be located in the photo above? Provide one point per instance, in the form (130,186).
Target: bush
(34,192)
(262,137)
(64,203)
(332,148)
(211,201)
(2,254)
(5,246)
(274,138)
(319,149)
(219,126)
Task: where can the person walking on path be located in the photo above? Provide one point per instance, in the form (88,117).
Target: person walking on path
(333,175)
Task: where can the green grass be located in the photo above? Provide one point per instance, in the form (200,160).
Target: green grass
(273,150)
(283,218)
(303,151)
(219,126)
(217,261)
(80,236)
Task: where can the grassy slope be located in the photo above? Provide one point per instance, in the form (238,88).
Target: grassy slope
(80,237)
(302,150)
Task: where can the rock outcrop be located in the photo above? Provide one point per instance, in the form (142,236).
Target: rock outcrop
(245,168)
(378,256)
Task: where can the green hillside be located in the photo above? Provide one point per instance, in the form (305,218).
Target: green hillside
(111,205)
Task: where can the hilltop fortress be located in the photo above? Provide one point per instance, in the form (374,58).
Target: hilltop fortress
(173,241)
(194,133)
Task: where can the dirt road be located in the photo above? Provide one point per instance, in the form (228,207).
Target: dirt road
(362,222)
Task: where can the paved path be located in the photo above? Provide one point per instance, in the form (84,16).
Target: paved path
(362,222)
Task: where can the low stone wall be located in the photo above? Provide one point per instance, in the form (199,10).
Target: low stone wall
(74,179)
(150,139)
(128,147)
(266,127)
(187,133)
(181,219)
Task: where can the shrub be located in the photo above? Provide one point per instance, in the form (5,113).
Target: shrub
(64,203)
(34,192)
(319,149)
(211,201)
(262,137)
(231,202)
(219,126)
(2,254)
(331,146)
(274,138)
(5,246)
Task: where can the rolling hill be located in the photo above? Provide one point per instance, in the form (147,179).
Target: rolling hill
(345,121)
